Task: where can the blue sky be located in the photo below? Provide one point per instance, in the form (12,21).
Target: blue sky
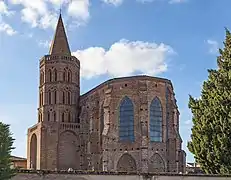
(175,39)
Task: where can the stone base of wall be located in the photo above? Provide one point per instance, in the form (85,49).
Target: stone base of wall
(48,175)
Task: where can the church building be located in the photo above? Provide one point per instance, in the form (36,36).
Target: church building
(124,124)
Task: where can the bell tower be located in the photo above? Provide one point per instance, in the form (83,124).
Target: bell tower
(58,110)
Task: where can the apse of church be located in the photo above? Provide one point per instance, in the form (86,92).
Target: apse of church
(124,124)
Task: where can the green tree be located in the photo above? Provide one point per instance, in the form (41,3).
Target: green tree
(6,146)
(211,132)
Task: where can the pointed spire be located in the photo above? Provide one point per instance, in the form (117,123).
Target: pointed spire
(60,44)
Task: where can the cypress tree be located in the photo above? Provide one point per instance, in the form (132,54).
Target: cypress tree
(6,143)
(211,132)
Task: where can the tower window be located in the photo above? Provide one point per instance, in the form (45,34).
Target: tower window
(54,116)
(49,97)
(69,117)
(69,76)
(49,75)
(63,97)
(55,75)
(48,116)
(68,97)
(64,75)
(55,97)
(63,116)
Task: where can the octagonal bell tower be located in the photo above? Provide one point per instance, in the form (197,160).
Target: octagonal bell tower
(58,110)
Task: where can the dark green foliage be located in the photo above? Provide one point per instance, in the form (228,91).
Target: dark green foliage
(211,132)
(6,142)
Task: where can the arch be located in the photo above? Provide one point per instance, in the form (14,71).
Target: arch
(63,117)
(33,152)
(69,76)
(48,116)
(63,97)
(69,117)
(54,115)
(68,97)
(155,121)
(49,75)
(68,157)
(49,97)
(126,120)
(64,75)
(126,163)
(55,75)
(55,96)
(156,164)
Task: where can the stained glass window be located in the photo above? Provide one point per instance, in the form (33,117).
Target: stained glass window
(155,121)
(126,120)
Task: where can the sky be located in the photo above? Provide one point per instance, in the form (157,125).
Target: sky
(174,39)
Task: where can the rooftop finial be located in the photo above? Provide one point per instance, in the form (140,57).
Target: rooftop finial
(60,8)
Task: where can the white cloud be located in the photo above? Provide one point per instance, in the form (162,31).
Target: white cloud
(124,58)
(44,13)
(4,9)
(113,2)
(4,27)
(213,46)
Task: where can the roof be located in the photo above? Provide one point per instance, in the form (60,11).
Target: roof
(139,77)
(15,158)
(60,43)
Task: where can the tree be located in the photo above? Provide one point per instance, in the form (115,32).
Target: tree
(6,143)
(211,132)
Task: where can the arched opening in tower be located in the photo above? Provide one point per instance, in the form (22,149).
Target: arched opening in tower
(33,152)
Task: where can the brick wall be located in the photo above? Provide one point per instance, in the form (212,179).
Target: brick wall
(54,176)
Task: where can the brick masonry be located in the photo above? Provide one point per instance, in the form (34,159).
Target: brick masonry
(54,176)
(81,132)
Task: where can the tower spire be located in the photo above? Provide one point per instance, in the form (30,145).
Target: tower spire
(60,44)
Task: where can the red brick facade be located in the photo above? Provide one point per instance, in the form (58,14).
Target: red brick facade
(82,132)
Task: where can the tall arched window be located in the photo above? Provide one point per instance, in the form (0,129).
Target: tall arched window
(49,97)
(126,120)
(64,75)
(69,117)
(69,76)
(155,123)
(68,97)
(48,116)
(63,97)
(55,96)
(54,116)
(55,75)
(50,75)
(63,117)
